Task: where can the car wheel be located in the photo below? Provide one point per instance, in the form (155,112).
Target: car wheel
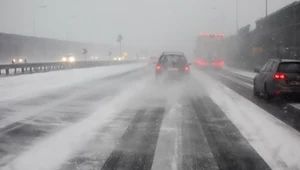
(267,96)
(255,92)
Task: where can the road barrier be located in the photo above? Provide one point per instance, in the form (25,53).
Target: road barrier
(26,68)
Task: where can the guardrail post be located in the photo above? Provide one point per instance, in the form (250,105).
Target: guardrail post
(22,70)
(15,70)
(7,71)
(30,69)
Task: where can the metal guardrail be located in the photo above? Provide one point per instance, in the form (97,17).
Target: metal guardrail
(26,68)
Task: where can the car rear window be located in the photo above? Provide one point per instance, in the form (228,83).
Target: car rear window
(173,59)
(290,67)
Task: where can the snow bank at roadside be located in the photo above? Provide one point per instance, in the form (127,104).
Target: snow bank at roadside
(277,143)
(34,84)
(51,152)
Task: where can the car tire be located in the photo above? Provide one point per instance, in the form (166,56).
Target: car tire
(255,92)
(267,96)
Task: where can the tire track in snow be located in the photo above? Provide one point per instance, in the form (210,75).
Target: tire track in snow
(231,150)
(137,146)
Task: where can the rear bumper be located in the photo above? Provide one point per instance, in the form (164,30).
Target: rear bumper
(287,90)
(172,75)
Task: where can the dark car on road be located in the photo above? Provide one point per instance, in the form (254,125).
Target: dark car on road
(172,65)
(278,77)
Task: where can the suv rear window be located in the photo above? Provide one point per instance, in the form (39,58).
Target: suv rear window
(173,59)
(289,67)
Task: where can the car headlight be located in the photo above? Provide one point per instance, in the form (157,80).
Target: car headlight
(14,60)
(72,59)
(115,58)
(64,59)
(20,60)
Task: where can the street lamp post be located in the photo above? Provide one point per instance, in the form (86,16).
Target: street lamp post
(119,40)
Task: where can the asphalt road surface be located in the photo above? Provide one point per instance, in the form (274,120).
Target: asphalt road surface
(127,122)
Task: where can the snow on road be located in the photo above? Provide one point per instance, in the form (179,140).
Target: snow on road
(51,152)
(244,73)
(276,142)
(25,86)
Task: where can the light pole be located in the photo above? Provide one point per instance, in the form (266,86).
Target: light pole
(34,18)
(119,40)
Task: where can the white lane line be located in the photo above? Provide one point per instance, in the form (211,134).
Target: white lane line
(295,105)
(167,152)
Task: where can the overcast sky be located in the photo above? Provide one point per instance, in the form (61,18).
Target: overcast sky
(143,23)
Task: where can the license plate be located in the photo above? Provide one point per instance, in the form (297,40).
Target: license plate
(172,69)
(297,83)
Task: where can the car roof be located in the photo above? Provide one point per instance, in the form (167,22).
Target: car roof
(289,60)
(285,60)
(164,53)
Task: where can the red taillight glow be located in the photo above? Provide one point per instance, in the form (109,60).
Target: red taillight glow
(201,63)
(220,63)
(277,92)
(186,68)
(279,76)
(157,68)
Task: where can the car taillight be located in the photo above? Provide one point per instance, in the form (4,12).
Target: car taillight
(157,68)
(279,76)
(186,68)
(220,63)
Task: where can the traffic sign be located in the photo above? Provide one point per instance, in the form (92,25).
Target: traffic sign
(84,51)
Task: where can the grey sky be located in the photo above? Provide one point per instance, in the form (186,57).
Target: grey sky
(168,24)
